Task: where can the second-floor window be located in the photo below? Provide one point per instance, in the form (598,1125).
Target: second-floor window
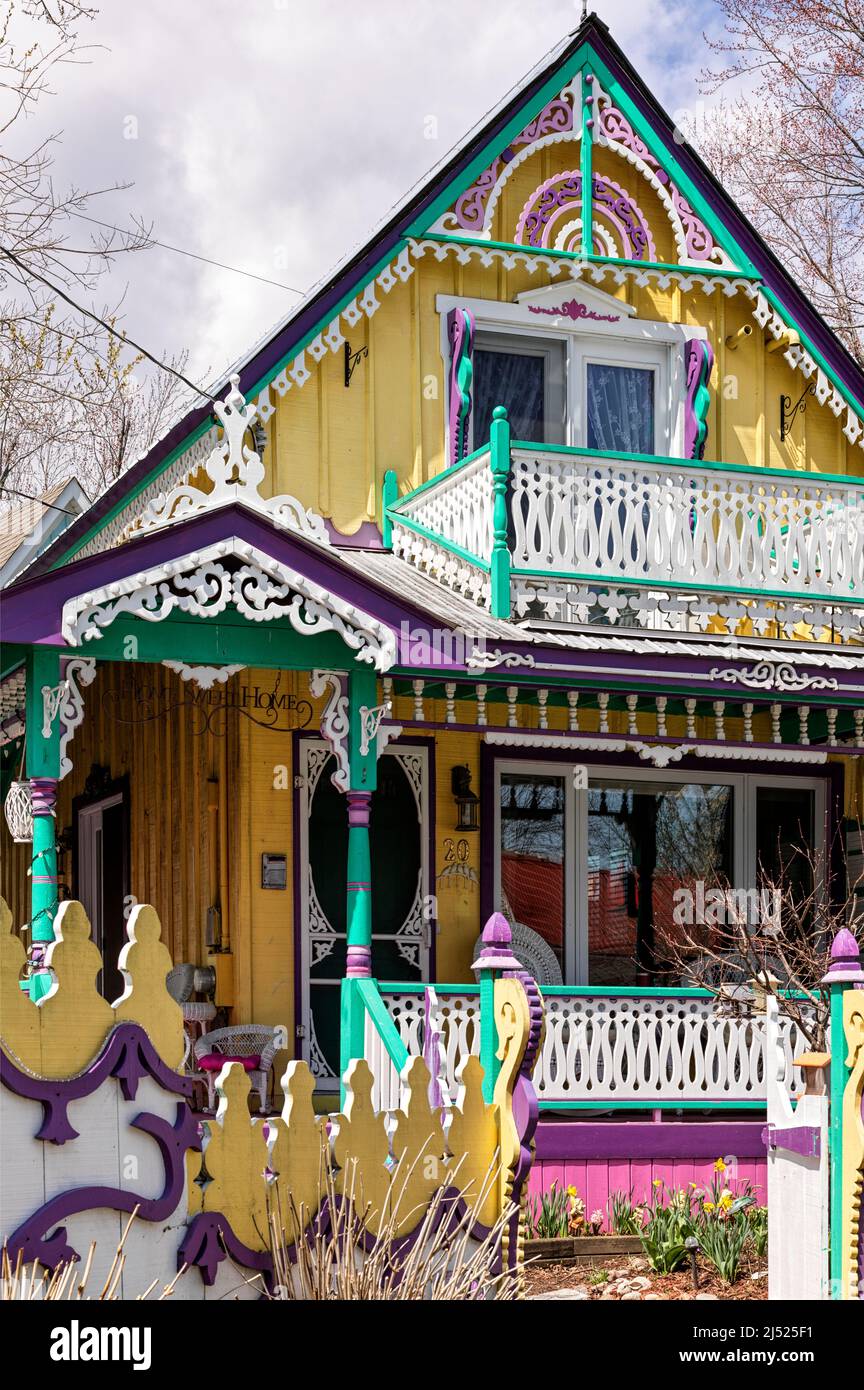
(609,397)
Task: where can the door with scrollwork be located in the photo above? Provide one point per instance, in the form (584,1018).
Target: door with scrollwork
(401,925)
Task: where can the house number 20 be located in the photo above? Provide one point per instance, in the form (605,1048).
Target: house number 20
(456,851)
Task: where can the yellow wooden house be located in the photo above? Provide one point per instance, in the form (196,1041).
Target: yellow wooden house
(520,570)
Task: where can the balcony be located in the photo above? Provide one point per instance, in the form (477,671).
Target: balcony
(555,535)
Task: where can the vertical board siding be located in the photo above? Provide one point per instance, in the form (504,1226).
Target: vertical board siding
(596,1179)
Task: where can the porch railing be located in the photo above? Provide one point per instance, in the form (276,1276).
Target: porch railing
(588,536)
(629,1048)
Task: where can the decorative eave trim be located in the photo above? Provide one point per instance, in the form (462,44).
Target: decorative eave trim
(201,584)
(659,754)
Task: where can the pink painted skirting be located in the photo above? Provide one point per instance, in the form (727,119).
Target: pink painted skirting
(601,1158)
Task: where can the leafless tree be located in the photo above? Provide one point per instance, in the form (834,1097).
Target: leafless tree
(70,400)
(777,937)
(789,145)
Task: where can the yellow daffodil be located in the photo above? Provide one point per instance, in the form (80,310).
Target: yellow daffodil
(719,1166)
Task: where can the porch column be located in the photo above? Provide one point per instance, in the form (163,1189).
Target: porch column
(844,972)
(42,763)
(363,765)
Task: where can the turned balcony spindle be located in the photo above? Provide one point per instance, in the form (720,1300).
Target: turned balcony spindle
(690,708)
(481,705)
(573,711)
(719,707)
(831,715)
(775,723)
(858,716)
(418,688)
(804,724)
(450,692)
(512,697)
(603,708)
(543,713)
(661,703)
(631,702)
(747,711)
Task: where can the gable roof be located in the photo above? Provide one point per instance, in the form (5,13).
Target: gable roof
(414,215)
(33,523)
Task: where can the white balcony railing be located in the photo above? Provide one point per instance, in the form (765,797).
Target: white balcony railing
(655,1047)
(665,520)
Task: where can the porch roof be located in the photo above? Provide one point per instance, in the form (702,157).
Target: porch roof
(423,626)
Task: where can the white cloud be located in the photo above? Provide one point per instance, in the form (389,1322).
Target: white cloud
(275,134)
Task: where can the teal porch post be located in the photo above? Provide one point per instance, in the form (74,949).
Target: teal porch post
(42,762)
(495,957)
(499,448)
(362,758)
(843,973)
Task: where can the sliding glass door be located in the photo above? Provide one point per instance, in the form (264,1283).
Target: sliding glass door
(601,867)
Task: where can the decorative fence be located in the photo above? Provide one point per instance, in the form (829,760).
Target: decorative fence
(649,1047)
(445,526)
(96,1123)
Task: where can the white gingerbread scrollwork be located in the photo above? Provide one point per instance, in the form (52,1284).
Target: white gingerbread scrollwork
(335,722)
(79,672)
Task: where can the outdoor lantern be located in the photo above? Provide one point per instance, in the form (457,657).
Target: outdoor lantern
(466,802)
(18,809)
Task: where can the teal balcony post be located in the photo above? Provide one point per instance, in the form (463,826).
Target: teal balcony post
(363,767)
(500,560)
(389,496)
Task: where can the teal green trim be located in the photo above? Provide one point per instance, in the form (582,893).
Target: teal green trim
(586,150)
(552,253)
(613,991)
(574,576)
(367,991)
(488,1034)
(352,1039)
(694,465)
(672,167)
(274,645)
(42,759)
(362,691)
(389,498)
(450,471)
(499,462)
(838,1076)
(454,549)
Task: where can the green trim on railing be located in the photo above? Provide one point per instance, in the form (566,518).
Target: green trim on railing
(368,993)
(691,465)
(586,152)
(622,991)
(454,549)
(653,582)
(448,472)
(553,253)
(389,498)
(499,462)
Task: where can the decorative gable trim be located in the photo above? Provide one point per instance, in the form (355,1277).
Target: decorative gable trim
(205,583)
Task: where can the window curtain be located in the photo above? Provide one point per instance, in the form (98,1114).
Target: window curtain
(620,409)
(512,379)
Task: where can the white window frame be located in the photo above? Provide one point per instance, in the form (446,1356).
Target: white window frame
(629,341)
(575,937)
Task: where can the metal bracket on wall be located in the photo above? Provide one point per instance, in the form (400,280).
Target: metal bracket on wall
(788,411)
(352,359)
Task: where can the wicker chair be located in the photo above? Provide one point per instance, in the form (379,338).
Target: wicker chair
(252,1044)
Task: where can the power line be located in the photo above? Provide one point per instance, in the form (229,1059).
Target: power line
(79,308)
(14,492)
(180,251)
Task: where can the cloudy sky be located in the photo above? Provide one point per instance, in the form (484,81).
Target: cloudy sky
(272,135)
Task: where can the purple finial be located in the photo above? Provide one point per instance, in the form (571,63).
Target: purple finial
(845,967)
(495,953)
